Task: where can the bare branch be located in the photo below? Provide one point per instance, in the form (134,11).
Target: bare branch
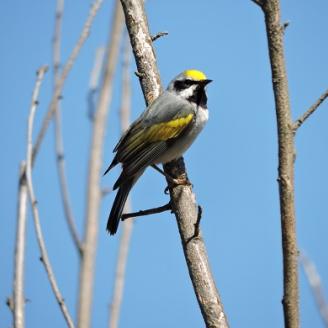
(275,34)
(35,211)
(60,158)
(10,304)
(94,194)
(156,210)
(127,226)
(105,191)
(285,25)
(18,294)
(159,35)
(258,2)
(120,269)
(182,198)
(314,280)
(67,68)
(56,40)
(310,111)
(94,81)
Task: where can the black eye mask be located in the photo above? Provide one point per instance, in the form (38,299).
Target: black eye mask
(183,84)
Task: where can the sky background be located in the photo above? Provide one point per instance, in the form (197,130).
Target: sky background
(232,165)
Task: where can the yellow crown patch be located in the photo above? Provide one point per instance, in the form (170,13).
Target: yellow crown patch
(195,75)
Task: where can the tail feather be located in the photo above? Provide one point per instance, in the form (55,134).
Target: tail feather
(118,206)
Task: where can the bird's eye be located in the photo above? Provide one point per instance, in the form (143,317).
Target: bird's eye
(188,83)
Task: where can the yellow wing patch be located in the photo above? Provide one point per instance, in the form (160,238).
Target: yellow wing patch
(195,75)
(158,132)
(167,130)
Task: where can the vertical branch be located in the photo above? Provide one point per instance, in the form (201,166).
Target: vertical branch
(66,69)
(18,294)
(95,164)
(127,225)
(121,269)
(275,35)
(182,198)
(43,250)
(60,160)
(94,81)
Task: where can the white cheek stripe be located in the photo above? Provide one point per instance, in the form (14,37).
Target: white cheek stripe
(187,93)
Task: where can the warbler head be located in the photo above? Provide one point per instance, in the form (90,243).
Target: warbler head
(190,85)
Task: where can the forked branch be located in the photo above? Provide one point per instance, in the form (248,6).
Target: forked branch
(66,69)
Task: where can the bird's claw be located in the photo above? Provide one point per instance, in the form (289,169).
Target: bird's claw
(181,182)
(173,182)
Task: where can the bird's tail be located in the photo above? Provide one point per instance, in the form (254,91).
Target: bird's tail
(118,206)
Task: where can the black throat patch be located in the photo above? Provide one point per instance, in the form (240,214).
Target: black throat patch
(199,97)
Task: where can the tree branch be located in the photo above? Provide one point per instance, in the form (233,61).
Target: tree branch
(258,2)
(314,280)
(275,33)
(156,210)
(159,35)
(66,69)
(94,194)
(310,111)
(127,226)
(59,144)
(182,198)
(18,294)
(120,270)
(35,210)
(94,81)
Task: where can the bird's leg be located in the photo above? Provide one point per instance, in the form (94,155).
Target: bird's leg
(173,181)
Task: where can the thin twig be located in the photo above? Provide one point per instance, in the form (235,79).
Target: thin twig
(10,303)
(258,2)
(182,198)
(286,146)
(94,81)
(310,111)
(123,251)
(314,280)
(18,294)
(35,210)
(59,143)
(155,210)
(159,35)
(66,69)
(105,191)
(94,195)
(285,25)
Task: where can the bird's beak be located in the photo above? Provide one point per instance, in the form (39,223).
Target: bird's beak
(205,82)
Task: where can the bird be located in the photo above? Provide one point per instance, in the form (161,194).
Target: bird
(162,133)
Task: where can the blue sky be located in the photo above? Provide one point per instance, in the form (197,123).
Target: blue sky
(233,164)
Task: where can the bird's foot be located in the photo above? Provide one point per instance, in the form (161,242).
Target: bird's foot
(173,182)
(180,181)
